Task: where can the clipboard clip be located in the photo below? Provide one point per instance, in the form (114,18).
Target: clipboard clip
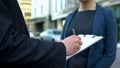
(92,36)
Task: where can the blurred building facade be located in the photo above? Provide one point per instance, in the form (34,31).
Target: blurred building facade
(60,9)
(41,15)
(46,14)
(25,6)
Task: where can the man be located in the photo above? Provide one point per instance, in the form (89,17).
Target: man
(17,49)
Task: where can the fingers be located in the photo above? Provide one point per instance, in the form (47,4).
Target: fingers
(78,40)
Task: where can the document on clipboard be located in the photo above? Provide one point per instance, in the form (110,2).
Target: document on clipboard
(87,41)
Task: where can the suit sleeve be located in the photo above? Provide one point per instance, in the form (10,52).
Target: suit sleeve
(110,44)
(20,49)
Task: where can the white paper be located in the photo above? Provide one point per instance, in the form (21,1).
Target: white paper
(87,41)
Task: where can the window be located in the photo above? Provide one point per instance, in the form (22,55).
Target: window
(55,5)
(27,14)
(57,32)
(42,9)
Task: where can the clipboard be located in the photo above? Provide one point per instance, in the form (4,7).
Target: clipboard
(87,41)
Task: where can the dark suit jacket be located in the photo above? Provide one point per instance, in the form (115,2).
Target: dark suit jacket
(103,53)
(17,49)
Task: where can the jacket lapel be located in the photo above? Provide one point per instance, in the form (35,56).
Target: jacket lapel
(96,23)
(97,20)
(68,21)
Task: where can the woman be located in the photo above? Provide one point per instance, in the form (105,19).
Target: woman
(91,18)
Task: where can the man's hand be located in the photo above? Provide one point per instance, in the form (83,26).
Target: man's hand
(72,44)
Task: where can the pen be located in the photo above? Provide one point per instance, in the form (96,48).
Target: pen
(73,30)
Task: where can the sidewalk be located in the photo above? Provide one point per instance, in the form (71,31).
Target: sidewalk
(116,64)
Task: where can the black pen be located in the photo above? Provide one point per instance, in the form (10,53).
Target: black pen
(73,30)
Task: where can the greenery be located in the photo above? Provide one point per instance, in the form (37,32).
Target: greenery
(116,10)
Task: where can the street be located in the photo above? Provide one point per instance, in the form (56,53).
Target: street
(116,64)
